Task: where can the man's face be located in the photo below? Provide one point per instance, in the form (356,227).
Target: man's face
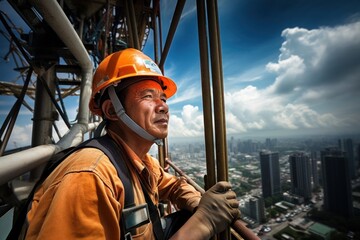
(145,103)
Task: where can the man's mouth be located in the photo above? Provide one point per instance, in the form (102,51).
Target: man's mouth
(162,121)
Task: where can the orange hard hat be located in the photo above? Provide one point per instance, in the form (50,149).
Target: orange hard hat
(122,65)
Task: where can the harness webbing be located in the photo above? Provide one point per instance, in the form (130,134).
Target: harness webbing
(117,157)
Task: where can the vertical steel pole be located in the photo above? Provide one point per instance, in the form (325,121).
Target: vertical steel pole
(154,16)
(44,113)
(163,149)
(133,23)
(206,95)
(105,51)
(160,33)
(218,91)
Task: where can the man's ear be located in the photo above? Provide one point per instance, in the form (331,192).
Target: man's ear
(108,110)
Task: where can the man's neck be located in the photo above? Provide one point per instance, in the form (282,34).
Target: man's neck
(139,145)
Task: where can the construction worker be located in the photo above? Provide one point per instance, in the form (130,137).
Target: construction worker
(84,198)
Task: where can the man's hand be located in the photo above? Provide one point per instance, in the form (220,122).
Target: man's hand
(218,208)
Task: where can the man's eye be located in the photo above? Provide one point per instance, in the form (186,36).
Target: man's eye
(147,96)
(164,100)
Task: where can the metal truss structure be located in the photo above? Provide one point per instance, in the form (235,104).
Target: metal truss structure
(56,58)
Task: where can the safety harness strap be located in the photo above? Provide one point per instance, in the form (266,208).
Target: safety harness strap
(117,157)
(154,215)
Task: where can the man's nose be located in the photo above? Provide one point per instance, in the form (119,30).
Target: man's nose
(161,106)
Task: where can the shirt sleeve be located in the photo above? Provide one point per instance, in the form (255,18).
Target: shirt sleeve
(82,207)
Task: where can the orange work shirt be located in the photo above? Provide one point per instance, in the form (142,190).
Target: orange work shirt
(83,197)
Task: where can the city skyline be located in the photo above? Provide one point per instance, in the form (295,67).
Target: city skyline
(293,206)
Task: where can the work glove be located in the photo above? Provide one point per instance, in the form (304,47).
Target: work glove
(218,208)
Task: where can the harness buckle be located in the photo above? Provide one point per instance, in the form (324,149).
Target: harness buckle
(135,216)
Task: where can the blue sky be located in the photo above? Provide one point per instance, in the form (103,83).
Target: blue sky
(290,68)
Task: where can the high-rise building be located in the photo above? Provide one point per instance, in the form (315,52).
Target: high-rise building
(357,165)
(270,173)
(257,209)
(315,170)
(349,151)
(270,144)
(336,182)
(232,145)
(254,208)
(300,172)
(346,145)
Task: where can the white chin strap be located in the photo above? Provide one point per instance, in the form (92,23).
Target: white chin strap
(120,112)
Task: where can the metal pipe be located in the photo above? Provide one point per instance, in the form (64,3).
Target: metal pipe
(161,153)
(76,135)
(43,117)
(206,95)
(162,149)
(81,27)
(174,22)
(130,40)
(218,92)
(107,18)
(218,101)
(16,164)
(188,179)
(44,110)
(134,26)
(48,85)
(154,15)
(160,33)
(58,21)
(63,109)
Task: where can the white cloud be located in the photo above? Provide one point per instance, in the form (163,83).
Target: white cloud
(330,57)
(316,87)
(190,124)
(301,116)
(254,109)
(251,75)
(190,93)
(289,73)
(187,85)
(20,137)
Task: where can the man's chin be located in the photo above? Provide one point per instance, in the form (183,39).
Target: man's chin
(161,135)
